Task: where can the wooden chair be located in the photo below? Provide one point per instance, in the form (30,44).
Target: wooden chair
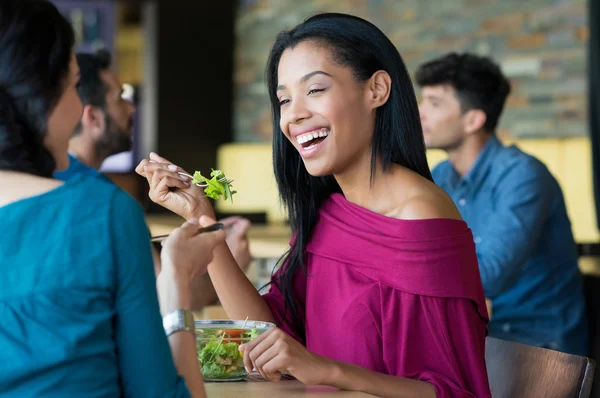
(521,371)
(591,285)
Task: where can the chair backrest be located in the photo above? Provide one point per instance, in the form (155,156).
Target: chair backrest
(521,371)
(591,289)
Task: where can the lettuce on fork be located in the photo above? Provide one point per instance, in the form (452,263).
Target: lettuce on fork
(215,188)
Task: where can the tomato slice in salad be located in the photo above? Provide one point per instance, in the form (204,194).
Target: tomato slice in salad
(232,335)
(232,332)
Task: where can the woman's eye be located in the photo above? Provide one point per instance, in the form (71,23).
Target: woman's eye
(283,102)
(315,90)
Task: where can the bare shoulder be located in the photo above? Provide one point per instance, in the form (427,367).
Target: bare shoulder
(428,205)
(418,198)
(425,200)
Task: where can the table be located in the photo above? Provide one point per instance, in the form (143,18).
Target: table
(265,389)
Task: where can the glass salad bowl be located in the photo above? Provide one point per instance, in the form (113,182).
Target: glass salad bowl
(217,344)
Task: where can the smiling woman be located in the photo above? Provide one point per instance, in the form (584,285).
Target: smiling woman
(315,92)
(345,114)
(308,137)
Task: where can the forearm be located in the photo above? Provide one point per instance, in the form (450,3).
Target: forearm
(496,271)
(355,378)
(176,295)
(237,294)
(183,349)
(507,241)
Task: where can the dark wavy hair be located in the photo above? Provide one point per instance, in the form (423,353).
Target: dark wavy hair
(397,137)
(478,81)
(36,44)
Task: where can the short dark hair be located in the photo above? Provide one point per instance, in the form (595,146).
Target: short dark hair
(478,81)
(92,89)
(37,44)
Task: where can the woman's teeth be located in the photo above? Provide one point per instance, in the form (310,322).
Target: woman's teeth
(304,138)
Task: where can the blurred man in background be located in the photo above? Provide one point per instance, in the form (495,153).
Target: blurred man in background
(514,206)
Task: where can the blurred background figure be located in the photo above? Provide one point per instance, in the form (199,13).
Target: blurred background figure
(106,125)
(511,202)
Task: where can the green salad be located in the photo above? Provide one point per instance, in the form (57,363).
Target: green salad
(216,187)
(219,354)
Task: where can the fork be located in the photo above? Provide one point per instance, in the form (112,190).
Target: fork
(224,180)
(210,228)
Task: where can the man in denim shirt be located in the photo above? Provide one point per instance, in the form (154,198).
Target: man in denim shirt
(514,206)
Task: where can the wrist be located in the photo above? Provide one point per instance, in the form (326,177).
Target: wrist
(197,213)
(332,372)
(339,375)
(173,293)
(173,274)
(180,320)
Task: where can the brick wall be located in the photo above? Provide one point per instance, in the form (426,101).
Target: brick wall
(541,45)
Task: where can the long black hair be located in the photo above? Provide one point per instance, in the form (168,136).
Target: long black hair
(36,44)
(397,137)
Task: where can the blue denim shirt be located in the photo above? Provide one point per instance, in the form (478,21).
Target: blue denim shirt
(525,247)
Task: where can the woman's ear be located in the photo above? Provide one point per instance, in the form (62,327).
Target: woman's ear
(379,87)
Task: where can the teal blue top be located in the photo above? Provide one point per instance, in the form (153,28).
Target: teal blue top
(77,168)
(79,314)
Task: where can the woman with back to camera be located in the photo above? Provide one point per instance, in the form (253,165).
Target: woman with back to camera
(78,295)
(380,291)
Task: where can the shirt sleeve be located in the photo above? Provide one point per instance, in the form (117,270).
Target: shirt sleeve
(437,340)
(514,225)
(282,313)
(146,365)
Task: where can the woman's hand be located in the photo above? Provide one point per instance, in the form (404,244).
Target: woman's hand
(275,351)
(184,256)
(173,191)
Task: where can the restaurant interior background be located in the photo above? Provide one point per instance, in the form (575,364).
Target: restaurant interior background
(196,72)
(197,69)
